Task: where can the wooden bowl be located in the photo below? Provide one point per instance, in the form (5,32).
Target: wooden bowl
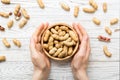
(56,58)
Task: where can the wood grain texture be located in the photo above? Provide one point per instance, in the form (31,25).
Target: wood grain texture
(18,65)
(97,54)
(24,70)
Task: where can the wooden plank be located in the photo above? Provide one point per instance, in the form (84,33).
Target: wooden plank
(60,71)
(23,54)
(93,31)
(53,11)
(18,65)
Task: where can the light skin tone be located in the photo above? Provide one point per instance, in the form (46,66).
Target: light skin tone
(80,60)
(41,62)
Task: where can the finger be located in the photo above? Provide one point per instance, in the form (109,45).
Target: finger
(38,47)
(33,49)
(88,50)
(45,27)
(38,31)
(32,46)
(47,60)
(38,59)
(82,30)
(73,24)
(88,44)
(83,46)
(78,31)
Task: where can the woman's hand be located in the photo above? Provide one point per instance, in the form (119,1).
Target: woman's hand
(80,60)
(40,61)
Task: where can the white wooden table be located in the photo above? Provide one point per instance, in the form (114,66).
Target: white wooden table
(18,65)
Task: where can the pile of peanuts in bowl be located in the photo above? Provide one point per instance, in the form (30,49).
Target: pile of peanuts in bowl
(60,41)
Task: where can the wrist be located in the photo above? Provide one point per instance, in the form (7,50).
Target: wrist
(37,75)
(81,75)
(41,74)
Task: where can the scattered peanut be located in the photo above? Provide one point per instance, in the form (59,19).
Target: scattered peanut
(105,7)
(89,10)
(96,21)
(25,14)
(10,13)
(22,23)
(41,4)
(5,1)
(76,11)
(5,15)
(18,17)
(114,21)
(17,12)
(93,4)
(107,53)
(10,23)
(108,30)
(2,28)
(65,6)
(17,9)
(102,38)
(2,58)
(116,30)
(17,42)
(6,43)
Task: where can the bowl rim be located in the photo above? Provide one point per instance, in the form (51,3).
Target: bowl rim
(54,58)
